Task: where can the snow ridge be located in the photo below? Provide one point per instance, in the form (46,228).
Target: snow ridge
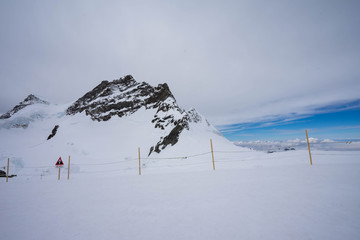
(125,96)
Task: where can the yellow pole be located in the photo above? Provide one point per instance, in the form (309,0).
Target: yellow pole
(7,170)
(307,137)
(69,168)
(212,153)
(59,174)
(139,163)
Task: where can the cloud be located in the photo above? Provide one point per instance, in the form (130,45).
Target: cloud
(234,61)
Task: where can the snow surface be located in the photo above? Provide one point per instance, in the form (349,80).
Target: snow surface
(249,196)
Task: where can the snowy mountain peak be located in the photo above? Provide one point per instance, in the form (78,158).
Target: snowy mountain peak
(32,99)
(29,100)
(126,108)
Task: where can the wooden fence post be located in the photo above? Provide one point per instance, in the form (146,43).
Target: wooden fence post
(212,153)
(59,174)
(307,138)
(69,168)
(7,170)
(139,163)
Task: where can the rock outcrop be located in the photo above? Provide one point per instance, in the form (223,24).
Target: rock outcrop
(53,132)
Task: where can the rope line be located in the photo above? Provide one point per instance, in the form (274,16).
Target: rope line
(106,163)
(183,157)
(232,151)
(334,154)
(37,167)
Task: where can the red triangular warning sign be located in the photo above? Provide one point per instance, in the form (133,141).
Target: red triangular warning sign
(59,162)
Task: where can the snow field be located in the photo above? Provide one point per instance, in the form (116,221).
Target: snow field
(269,196)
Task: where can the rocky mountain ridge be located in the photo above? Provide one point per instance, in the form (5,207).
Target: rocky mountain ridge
(125,96)
(122,98)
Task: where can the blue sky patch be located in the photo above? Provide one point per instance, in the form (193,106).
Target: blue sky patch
(338,121)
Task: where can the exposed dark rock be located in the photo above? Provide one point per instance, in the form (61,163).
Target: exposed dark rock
(195,117)
(29,100)
(24,125)
(208,123)
(172,138)
(3,174)
(53,132)
(289,149)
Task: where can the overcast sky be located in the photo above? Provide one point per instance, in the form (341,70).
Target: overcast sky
(234,61)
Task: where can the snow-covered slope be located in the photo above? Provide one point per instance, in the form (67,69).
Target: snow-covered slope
(30,100)
(107,124)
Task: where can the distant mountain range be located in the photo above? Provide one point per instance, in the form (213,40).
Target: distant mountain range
(297,144)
